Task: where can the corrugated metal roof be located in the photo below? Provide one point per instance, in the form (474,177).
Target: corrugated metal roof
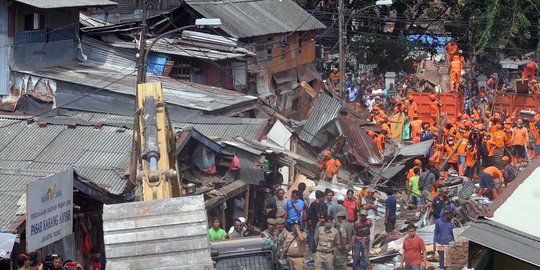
(505,239)
(163,46)
(417,149)
(176,92)
(12,187)
(100,155)
(361,145)
(161,234)
(249,128)
(242,18)
(46,4)
(102,54)
(326,110)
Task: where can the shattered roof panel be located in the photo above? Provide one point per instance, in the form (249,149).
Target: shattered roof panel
(248,128)
(361,145)
(99,155)
(48,4)
(417,149)
(176,92)
(326,110)
(163,46)
(241,18)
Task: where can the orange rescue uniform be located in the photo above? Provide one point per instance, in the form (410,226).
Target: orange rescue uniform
(331,166)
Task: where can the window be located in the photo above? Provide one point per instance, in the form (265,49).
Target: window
(181,70)
(33,21)
(269,47)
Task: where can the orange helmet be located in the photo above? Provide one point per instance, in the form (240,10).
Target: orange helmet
(396,110)
(327,153)
(468,124)
(499,126)
(417,162)
(462,126)
(465,116)
(488,113)
(376,107)
(481,126)
(371,133)
(440,146)
(459,115)
(432,96)
(415,116)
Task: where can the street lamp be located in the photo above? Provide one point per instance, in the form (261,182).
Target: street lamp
(343,36)
(199,23)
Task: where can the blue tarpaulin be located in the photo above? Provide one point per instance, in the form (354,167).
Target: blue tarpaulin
(439,41)
(155,65)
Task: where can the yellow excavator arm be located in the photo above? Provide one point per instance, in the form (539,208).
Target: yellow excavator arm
(154,138)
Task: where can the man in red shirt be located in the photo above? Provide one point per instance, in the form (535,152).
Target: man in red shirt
(414,251)
(350,205)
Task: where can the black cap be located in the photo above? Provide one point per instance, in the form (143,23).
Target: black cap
(296,222)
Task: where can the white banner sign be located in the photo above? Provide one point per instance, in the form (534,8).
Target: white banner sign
(49,215)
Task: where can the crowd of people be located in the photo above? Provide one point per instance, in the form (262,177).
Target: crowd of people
(57,262)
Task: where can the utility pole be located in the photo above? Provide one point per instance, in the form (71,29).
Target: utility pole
(342,37)
(141,65)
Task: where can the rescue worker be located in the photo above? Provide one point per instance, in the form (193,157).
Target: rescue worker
(455,74)
(436,158)
(295,246)
(416,125)
(488,187)
(434,110)
(452,158)
(412,109)
(346,231)
(533,87)
(530,68)
(330,166)
(270,232)
(461,151)
(520,140)
(360,241)
(327,239)
(509,172)
(385,126)
(471,156)
(417,137)
(381,141)
(490,147)
(372,135)
(451,50)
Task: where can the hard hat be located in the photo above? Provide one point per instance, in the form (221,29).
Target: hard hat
(440,146)
(327,153)
(415,115)
(505,158)
(459,115)
(410,97)
(487,112)
(468,124)
(497,116)
(465,116)
(371,133)
(417,162)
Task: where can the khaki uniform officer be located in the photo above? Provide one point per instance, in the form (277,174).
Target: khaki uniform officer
(327,239)
(295,246)
(271,232)
(346,231)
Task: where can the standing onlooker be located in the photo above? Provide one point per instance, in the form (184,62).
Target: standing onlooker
(316,209)
(295,247)
(369,203)
(346,231)
(270,232)
(440,202)
(390,215)
(443,235)
(251,229)
(281,203)
(22,261)
(294,209)
(360,242)
(327,239)
(329,199)
(350,205)
(336,208)
(233,227)
(269,208)
(414,251)
(216,233)
(238,231)
(415,190)
(238,207)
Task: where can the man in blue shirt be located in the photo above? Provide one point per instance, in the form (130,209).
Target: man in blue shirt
(390,215)
(443,234)
(294,209)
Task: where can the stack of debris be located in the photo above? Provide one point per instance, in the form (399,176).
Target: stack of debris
(456,255)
